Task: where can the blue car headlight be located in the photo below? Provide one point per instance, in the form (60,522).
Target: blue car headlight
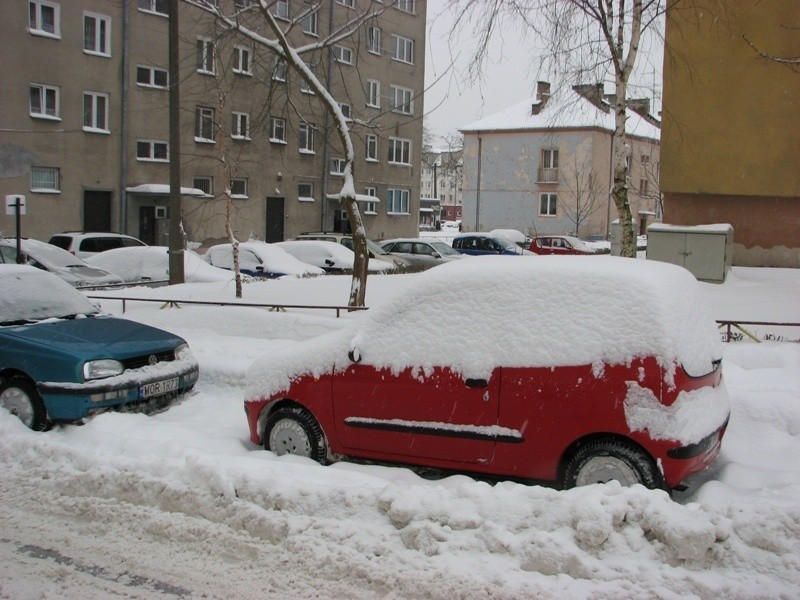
(98,369)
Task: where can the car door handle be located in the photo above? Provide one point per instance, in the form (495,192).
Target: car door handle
(476,383)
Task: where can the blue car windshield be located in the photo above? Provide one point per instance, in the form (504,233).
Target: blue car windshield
(28,294)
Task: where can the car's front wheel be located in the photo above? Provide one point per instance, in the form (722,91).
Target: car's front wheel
(19,397)
(601,461)
(292,430)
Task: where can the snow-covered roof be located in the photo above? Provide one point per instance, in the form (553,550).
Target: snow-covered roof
(565,109)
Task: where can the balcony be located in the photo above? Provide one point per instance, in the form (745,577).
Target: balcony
(547,175)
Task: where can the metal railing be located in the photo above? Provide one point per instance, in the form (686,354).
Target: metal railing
(731,325)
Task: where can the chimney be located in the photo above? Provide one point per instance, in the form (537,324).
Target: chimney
(641,106)
(542,96)
(593,92)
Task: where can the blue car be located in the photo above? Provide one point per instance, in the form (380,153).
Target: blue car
(477,244)
(60,360)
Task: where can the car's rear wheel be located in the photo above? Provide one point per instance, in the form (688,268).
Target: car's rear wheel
(601,461)
(292,430)
(19,396)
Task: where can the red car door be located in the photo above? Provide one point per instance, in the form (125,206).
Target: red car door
(438,416)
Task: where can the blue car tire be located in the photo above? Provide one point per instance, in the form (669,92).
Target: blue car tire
(19,396)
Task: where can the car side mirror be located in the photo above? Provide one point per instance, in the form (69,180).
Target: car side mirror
(260,268)
(354,355)
(329,262)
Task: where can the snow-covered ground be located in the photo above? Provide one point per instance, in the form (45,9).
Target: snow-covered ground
(181,504)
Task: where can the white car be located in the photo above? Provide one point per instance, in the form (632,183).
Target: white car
(150,264)
(84,245)
(260,259)
(330,256)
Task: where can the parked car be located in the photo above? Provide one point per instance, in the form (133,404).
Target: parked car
(86,244)
(477,244)
(260,259)
(330,256)
(422,254)
(150,265)
(513,235)
(559,244)
(346,240)
(562,370)
(63,361)
(44,256)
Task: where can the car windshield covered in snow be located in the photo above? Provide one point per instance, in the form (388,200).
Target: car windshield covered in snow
(21,298)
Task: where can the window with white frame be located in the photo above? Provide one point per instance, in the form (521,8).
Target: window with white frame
(307,138)
(547,204)
(343,54)
(205,184)
(347,3)
(159,7)
(95,112)
(405,5)
(45,179)
(152,77)
(305,191)
(281,10)
(397,201)
(45,101)
(371,206)
(399,151)
(402,99)
(277,130)
(347,110)
(373,93)
(205,56)
(309,23)
(372,147)
(374,39)
(403,49)
(152,150)
(238,187)
(337,166)
(241,61)
(203,124)
(96,34)
(279,70)
(240,126)
(44,18)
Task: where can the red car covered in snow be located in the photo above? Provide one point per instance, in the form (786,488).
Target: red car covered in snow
(559,244)
(557,370)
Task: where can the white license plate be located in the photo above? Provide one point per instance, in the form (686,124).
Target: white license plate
(158,388)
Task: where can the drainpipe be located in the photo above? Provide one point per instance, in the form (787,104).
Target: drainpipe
(123,154)
(478,186)
(326,152)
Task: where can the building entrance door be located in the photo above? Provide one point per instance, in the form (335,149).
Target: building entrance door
(96,211)
(274,221)
(147,225)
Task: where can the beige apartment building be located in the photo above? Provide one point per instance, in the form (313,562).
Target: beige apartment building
(84,128)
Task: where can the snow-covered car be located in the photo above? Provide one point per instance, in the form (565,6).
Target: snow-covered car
(59,262)
(562,370)
(63,361)
(150,265)
(260,259)
(422,254)
(374,249)
(560,244)
(330,256)
(85,244)
(481,244)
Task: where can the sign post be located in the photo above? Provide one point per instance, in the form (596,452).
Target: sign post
(15,205)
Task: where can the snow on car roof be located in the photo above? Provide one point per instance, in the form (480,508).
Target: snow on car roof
(475,315)
(136,262)
(28,293)
(275,258)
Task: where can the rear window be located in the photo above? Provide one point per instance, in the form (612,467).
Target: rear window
(97,244)
(62,241)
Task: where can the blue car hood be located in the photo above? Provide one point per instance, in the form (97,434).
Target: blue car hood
(95,337)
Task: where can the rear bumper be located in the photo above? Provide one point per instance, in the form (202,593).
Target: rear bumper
(682,461)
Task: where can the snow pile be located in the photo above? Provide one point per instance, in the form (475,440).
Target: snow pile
(152,263)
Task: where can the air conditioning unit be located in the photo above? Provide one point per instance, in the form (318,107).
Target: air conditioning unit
(161,212)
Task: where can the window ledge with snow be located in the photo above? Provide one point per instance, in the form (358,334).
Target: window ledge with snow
(305,199)
(277,141)
(45,191)
(306,151)
(201,140)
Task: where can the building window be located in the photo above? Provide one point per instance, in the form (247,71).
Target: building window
(397,202)
(279,70)
(240,127)
(347,3)
(405,5)
(399,151)
(203,124)
(44,18)
(281,10)
(372,147)
(343,55)
(277,130)
(204,184)
(96,34)
(159,7)
(45,179)
(645,159)
(402,100)
(154,151)
(241,61)
(95,112)
(403,49)
(373,93)
(371,207)
(548,172)
(309,23)
(547,205)
(205,57)
(337,166)
(347,111)
(374,40)
(305,191)
(44,101)
(307,135)
(239,187)
(644,187)
(152,77)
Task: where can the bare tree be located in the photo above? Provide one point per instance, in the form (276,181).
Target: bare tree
(583,193)
(580,38)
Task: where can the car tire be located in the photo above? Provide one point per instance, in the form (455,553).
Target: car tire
(18,395)
(600,461)
(292,430)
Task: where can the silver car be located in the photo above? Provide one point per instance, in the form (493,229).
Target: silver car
(421,253)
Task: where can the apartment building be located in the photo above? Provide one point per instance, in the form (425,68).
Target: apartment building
(84,127)
(441,180)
